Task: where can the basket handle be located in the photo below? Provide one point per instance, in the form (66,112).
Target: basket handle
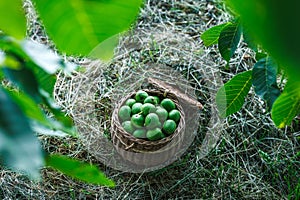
(166,87)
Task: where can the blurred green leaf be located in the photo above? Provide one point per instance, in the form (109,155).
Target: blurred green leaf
(1,75)
(42,130)
(40,123)
(28,106)
(274,25)
(2,57)
(36,81)
(231,96)
(33,55)
(287,105)
(260,55)
(25,80)
(105,50)
(56,110)
(21,69)
(249,40)
(11,62)
(19,148)
(79,170)
(211,36)
(78,26)
(13,21)
(264,80)
(229,39)
(9,45)
(43,57)
(45,81)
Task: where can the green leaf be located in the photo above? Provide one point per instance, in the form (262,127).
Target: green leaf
(31,66)
(25,80)
(19,148)
(32,55)
(45,81)
(260,55)
(9,45)
(248,39)
(2,57)
(105,50)
(1,75)
(264,80)
(79,170)
(56,110)
(229,39)
(42,130)
(11,62)
(28,107)
(41,123)
(13,21)
(231,96)
(60,120)
(37,81)
(78,26)
(42,61)
(211,36)
(287,105)
(275,27)
(43,57)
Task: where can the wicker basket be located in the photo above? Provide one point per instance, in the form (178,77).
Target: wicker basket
(153,153)
(144,152)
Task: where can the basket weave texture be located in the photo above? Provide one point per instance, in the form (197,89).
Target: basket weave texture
(141,151)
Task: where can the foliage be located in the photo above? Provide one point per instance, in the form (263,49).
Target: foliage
(229,39)
(19,148)
(264,80)
(27,73)
(12,21)
(287,106)
(88,23)
(284,107)
(275,27)
(230,97)
(78,170)
(211,36)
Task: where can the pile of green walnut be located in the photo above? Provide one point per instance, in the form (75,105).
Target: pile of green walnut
(149,117)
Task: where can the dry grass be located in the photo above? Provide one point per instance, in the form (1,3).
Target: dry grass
(250,160)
